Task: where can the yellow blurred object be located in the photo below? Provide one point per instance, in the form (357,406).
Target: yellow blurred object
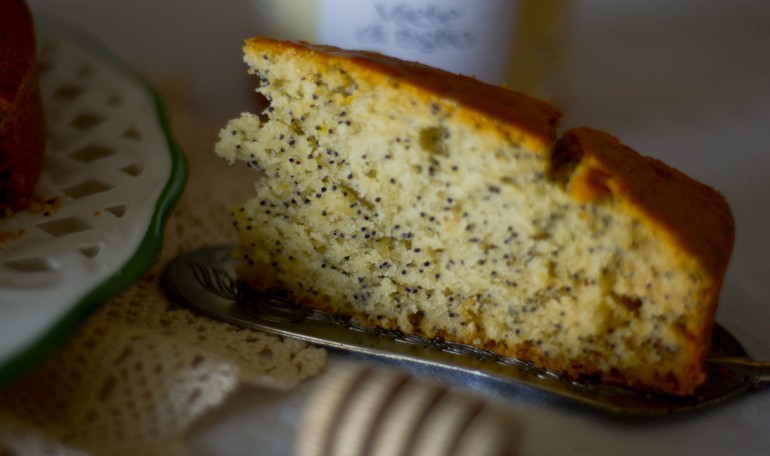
(539,47)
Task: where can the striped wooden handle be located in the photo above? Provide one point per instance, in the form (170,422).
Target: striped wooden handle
(364,410)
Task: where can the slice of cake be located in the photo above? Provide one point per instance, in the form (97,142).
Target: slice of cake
(431,203)
(22,129)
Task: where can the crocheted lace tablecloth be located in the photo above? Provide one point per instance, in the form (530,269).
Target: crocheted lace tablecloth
(141,369)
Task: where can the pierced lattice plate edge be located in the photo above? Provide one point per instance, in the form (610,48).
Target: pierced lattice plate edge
(28,333)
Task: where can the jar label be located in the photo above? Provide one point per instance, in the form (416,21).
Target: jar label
(463,36)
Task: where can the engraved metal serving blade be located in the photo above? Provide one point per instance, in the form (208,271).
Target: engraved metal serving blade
(204,280)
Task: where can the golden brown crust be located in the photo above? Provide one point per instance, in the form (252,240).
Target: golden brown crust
(696,215)
(692,217)
(508,109)
(22,131)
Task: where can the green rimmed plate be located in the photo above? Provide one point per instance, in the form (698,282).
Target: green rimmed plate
(116,173)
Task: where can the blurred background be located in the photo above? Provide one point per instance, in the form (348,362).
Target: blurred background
(687,82)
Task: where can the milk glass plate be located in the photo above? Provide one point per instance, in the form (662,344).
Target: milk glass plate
(115,174)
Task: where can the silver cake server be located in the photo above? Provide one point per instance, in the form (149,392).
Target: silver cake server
(205,280)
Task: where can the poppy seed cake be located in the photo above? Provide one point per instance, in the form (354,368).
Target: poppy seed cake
(413,199)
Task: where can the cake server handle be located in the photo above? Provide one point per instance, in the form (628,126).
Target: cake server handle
(756,373)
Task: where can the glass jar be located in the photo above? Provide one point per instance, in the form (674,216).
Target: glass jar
(517,43)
